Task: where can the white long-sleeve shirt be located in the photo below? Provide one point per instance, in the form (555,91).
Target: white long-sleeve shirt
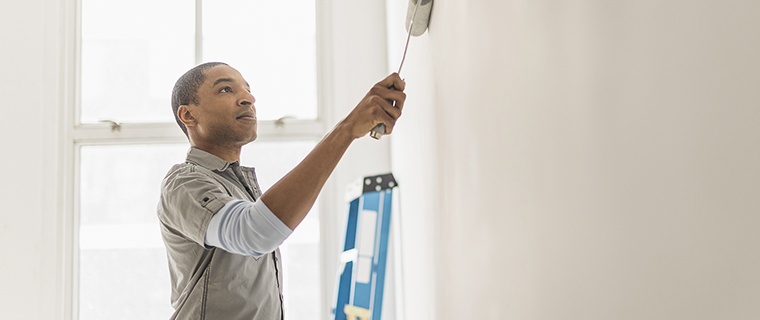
(247,228)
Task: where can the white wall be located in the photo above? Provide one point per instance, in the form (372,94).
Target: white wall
(414,164)
(593,159)
(29,96)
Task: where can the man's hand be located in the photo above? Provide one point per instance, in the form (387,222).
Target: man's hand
(378,107)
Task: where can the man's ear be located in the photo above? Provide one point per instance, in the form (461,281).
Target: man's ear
(185,114)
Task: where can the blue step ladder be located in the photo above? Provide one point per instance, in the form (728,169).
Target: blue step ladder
(361,282)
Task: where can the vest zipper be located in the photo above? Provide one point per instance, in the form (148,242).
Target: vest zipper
(277,278)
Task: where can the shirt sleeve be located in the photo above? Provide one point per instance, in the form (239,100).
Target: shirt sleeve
(188,201)
(247,228)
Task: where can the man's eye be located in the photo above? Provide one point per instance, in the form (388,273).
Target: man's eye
(226,89)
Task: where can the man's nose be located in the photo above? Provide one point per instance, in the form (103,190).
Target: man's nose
(247,100)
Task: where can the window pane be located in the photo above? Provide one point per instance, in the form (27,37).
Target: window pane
(300,252)
(132,53)
(123,266)
(123,270)
(273,44)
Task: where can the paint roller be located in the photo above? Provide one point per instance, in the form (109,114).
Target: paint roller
(417,21)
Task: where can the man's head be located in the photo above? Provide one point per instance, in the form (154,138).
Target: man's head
(186,88)
(212,103)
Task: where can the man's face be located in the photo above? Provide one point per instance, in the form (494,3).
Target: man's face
(225,113)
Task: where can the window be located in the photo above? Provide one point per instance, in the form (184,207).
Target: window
(123,269)
(123,137)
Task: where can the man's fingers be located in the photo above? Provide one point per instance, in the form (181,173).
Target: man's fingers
(391,110)
(382,111)
(393,80)
(386,106)
(399,98)
(387,119)
(392,95)
(399,83)
(395,91)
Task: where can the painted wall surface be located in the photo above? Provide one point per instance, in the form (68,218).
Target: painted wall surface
(414,163)
(592,159)
(29,259)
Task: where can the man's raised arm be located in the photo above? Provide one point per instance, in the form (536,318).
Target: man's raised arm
(291,198)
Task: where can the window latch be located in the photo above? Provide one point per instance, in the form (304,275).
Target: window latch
(115,126)
(279,123)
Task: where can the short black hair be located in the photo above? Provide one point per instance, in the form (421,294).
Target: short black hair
(186,89)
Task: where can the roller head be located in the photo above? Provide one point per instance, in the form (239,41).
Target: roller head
(422,18)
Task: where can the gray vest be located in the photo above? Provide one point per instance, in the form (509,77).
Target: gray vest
(207,282)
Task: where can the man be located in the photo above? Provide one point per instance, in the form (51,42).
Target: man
(221,234)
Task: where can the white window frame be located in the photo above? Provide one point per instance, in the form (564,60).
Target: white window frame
(74,135)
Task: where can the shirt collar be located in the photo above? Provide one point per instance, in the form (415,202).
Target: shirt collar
(208,160)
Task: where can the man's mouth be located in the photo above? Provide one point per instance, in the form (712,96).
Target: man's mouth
(250,116)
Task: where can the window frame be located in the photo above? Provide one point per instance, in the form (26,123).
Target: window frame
(75,134)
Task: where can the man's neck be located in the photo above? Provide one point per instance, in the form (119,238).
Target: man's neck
(226,153)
